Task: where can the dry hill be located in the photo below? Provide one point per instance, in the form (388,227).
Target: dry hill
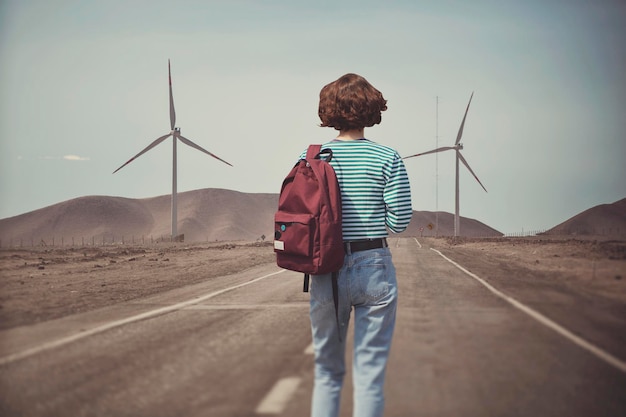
(203,215)
(424,223)
(602,220)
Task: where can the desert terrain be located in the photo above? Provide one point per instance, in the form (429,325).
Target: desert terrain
(43,281)
(40,284)
(596,266)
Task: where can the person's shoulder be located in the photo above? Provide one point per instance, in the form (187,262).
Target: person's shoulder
(363,147)
(360,143)
(382,147)
(383,150)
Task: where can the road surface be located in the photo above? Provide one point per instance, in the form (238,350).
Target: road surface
(240,346)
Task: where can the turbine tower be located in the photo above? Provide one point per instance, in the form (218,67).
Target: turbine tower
(457,147)
(175,134)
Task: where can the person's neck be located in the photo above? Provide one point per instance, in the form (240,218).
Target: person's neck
(353,134)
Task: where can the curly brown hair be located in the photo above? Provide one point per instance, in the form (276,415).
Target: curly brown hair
(350,102)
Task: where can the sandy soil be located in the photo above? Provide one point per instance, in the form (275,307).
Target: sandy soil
(39,284)
(593,266)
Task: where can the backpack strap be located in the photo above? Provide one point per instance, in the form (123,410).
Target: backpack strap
(316,152)
(313,151)
(335,283)
(334,280)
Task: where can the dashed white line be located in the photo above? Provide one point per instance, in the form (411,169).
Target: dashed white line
(278,397)
(148,314)
(598,352)
(418,243)
(310,350)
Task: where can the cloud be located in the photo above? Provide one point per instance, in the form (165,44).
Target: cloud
(56,158)
(76,158)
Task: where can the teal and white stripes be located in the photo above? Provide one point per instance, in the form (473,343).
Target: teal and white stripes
(375,188)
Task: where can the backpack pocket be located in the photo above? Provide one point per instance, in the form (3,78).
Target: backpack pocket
(293,233)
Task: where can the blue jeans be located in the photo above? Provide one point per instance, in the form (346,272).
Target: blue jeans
(367,282)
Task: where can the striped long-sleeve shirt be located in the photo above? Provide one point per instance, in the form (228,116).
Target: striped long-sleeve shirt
(375,190)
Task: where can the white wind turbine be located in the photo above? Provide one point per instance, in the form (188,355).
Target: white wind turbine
(457,147)
(175,134)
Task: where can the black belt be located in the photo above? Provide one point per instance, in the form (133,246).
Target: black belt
(361,245)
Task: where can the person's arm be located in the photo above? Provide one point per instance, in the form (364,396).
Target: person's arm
(397,197)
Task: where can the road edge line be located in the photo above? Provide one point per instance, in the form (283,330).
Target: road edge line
(277,398)
(117,323)
(598,352)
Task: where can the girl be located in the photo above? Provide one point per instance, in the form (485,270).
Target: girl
(375,197)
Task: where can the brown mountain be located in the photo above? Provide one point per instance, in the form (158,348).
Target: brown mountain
(424,223)
(601,220)
(203,215)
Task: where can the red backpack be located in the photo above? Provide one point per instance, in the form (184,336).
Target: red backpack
(308,235)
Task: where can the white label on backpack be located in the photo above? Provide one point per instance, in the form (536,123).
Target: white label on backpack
(279,245)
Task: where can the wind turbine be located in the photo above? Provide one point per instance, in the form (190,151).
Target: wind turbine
(457,147)
(175,134)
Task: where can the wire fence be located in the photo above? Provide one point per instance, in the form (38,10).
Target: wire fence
(525,233)
(617,232)
(609,232)
(103,240)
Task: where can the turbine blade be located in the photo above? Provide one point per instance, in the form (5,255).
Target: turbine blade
(172,111)
(445,148)
(470,169)
(146,149)
(200,148)
(458,136)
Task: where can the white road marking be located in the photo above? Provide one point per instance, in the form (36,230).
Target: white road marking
(598,352)
(418,243)
(310,350)
(278,397)
(303,305)
(148,314)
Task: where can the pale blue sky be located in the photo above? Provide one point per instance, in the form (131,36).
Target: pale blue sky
(83,87)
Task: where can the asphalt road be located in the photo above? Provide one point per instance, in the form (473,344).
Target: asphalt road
(240,346)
